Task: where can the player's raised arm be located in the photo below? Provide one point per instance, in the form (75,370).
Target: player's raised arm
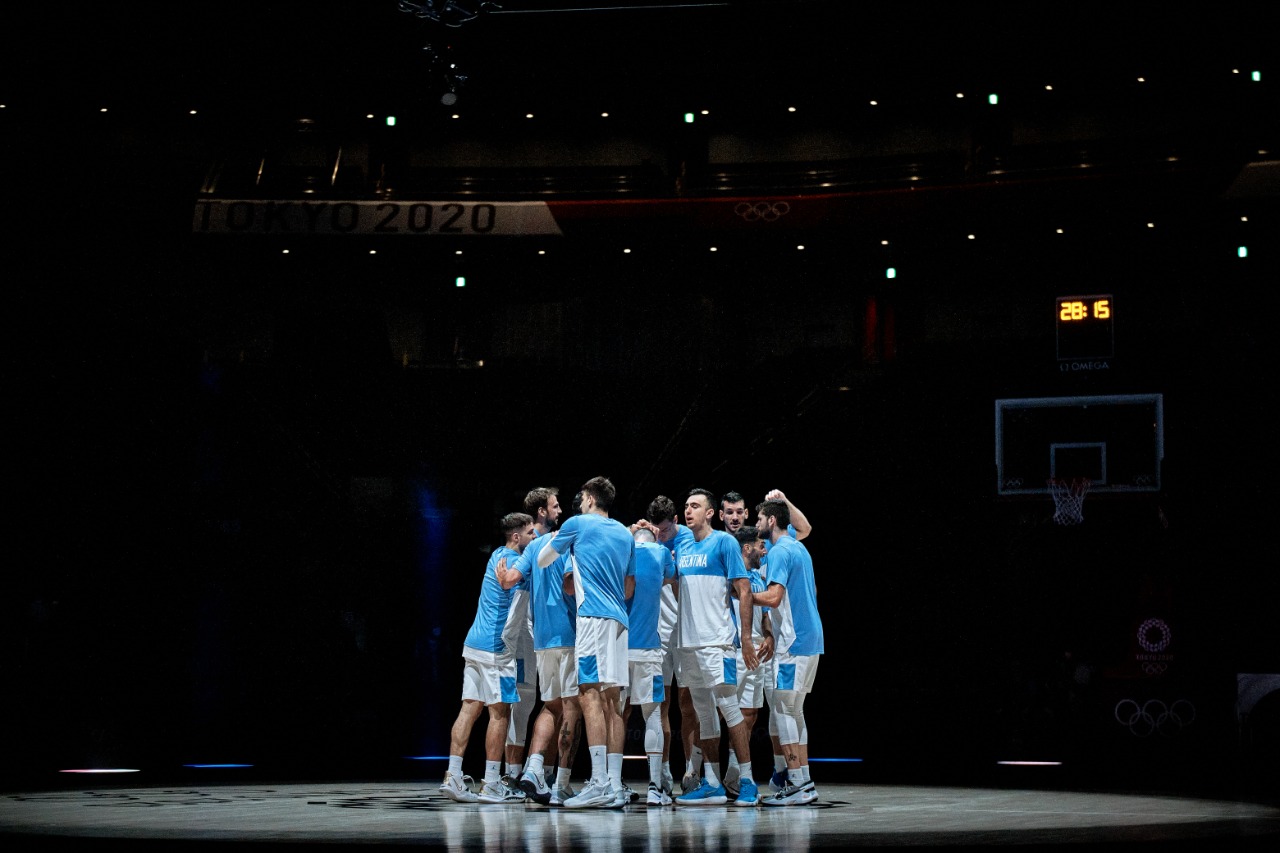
(798,519)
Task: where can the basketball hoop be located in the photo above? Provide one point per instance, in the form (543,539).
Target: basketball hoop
(1068,499)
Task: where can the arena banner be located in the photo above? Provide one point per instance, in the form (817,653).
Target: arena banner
(509,218)
(298,217)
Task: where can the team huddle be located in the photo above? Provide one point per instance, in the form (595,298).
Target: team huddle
(605,618)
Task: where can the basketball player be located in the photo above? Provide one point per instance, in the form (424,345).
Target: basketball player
(791,596)
(711,578)
(751,682)
(601,574)
(655,569)
(489,674)
(553,616)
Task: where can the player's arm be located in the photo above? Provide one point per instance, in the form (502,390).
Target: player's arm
(771,597)
(548,554)
(798,519)
(746,612)
(507,577)
(669,573)
(629,581)
(765,649)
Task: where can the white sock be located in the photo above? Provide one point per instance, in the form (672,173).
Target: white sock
(599,765)
(614,764)
(455,766)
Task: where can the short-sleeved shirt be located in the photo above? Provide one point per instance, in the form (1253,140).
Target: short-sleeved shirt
(670,604)
(707,570)
(654,566)
(493,611)
(552,612)
(600,553)
(797,628)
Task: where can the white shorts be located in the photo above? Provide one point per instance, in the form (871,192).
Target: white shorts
(795,672)
(707,666)
(602,652)
(645,676)
(488,678)
(751,683)
(557,673)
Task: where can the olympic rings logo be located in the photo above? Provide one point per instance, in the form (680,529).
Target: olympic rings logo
(1154,626)
(762,211)
(1155,716)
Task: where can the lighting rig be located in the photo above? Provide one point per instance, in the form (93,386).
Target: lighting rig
(449,13)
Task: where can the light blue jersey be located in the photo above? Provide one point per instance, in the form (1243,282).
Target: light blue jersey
(797,628)
(494,609)
(653,566)
(600,553)
(683,536)
(707,570)
(551,610)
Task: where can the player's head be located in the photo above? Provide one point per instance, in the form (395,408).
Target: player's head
(733,510)
(543,505)
(772,515)
(517,529)
(644,534)
(599,491)
(699,508)
(661,509)
(662,515)
(751,545)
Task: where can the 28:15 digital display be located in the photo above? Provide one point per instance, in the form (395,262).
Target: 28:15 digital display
(1085,327)
(1072,310)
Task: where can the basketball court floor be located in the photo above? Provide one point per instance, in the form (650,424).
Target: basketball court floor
(367,814)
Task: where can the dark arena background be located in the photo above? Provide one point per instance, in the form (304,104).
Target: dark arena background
(304,296)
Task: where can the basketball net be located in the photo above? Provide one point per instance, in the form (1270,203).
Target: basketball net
(1068,499)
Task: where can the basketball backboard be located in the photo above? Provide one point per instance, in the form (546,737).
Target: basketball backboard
(1115,441)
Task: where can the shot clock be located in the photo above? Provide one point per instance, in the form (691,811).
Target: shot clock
(1085,327)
